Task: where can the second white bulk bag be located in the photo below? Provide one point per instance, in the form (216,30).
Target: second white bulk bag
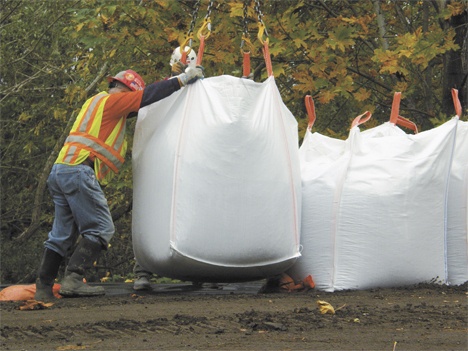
(374,208)
(457,210)
(217,191)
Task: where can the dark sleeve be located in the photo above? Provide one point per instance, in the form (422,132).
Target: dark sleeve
(158,91)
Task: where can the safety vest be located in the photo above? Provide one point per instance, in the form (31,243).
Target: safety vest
(83,140)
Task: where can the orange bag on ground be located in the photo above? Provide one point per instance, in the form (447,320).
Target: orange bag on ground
(24,292)
(287,283)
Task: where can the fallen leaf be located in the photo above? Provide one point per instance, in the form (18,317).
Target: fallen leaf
(325,307)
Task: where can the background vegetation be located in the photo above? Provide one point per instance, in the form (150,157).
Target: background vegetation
(351,56)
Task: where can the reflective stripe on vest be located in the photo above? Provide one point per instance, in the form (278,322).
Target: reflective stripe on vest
(110,157)
(83,139)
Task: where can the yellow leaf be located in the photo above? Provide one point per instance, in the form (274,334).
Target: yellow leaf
(362,94)
(326,96)
(401,86)
(277,70)
(24,117)
(299,42)
(112,53)
(407,53)
(325,307)
(456,8)
(236,10)
(78,27)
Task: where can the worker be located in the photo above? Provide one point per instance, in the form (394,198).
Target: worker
(92,153)
(142,276)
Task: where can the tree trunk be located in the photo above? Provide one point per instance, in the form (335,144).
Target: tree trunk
(456,65)
(381,24)
(427,83)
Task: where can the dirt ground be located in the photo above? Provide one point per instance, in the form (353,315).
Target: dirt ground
(238,317)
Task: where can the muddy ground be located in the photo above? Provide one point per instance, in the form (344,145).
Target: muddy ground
(237,317)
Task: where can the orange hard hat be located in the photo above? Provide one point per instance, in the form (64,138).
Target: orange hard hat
(130,79)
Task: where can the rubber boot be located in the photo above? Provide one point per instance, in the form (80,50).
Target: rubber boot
(46,275)
(82,259)
(142,281)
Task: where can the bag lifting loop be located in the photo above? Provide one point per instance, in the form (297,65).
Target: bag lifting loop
(310,107)
(395,117)
(404,122)
(456,103)
(361,119)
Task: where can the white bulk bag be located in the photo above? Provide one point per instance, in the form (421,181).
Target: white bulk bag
(217,191)
(374,208)
(391,227)
(457,211)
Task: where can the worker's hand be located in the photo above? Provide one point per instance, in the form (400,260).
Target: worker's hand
(177,68)
(191,75)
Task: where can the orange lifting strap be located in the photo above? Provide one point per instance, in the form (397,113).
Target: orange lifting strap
(245,41)
(395,107)
(361,119)
(310,107)
(203,34)
(395,117)
(184,53)
(404,122)
(456,103)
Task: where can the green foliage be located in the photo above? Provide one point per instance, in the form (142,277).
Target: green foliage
(51,50)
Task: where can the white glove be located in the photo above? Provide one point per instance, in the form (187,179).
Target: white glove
(191,75)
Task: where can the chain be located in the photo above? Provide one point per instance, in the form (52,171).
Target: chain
(194,18)
(208,10)
(244,19)
(260,15)
(245,34)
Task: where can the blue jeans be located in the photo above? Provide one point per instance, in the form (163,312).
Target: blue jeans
(80,208)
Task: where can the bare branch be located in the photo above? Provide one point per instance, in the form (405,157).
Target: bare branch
(18,4)
(38,41)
